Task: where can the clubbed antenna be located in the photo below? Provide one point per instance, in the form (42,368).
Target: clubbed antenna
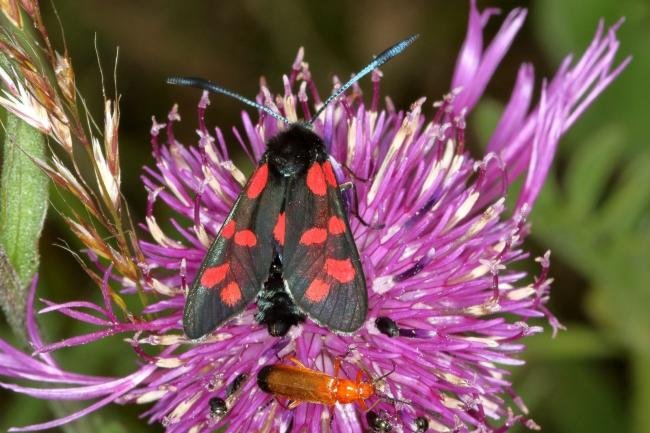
(211,87)
(379,60)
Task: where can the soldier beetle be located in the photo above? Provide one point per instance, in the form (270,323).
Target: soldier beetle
(301,384)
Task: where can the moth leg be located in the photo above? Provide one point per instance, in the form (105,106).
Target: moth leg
(346,186)
(355,205)
(354,175)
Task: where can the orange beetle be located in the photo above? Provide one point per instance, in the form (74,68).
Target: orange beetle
(302,384)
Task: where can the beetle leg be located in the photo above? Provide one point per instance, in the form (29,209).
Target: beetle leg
(297,362)
(294,404)
(337,367)
(372,406)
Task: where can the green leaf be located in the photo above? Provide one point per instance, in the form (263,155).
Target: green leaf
(641,390)
(576,343)
(573,396)
(620,301)
(113,427)
(630,202)
(591,166)
(23,194)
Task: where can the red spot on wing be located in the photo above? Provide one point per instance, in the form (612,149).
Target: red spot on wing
(245,238)
(214,275)
(313,236)
(336,225)
(329,174)
(278,230)
(228,230)
(316,179)
(231,294)
(340,270)
(317,290)
(258,181)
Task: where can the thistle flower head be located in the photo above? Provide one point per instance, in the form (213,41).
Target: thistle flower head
(447,313)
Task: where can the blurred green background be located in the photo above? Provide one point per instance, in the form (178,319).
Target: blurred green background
(593,213)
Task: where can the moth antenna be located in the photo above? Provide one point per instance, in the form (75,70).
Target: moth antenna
(211,87)
(377,61)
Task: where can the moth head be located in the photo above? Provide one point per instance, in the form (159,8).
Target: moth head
(292,151)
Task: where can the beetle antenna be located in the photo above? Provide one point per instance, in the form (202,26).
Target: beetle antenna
(211,87)
(383,376)
(382,395)
(377,61)
(393,400)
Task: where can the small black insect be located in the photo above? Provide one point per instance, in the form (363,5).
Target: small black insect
(218,406)
(378,423)
(236,384)
(387,326)
(421,424)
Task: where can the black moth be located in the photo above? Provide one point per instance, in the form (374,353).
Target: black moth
(287,240)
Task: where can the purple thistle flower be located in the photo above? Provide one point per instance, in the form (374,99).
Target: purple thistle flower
(438,273)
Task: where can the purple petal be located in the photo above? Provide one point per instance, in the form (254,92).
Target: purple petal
(134,380)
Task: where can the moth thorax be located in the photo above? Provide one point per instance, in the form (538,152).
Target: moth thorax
(292,151)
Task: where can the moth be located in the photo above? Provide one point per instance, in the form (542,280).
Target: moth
(287,239)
